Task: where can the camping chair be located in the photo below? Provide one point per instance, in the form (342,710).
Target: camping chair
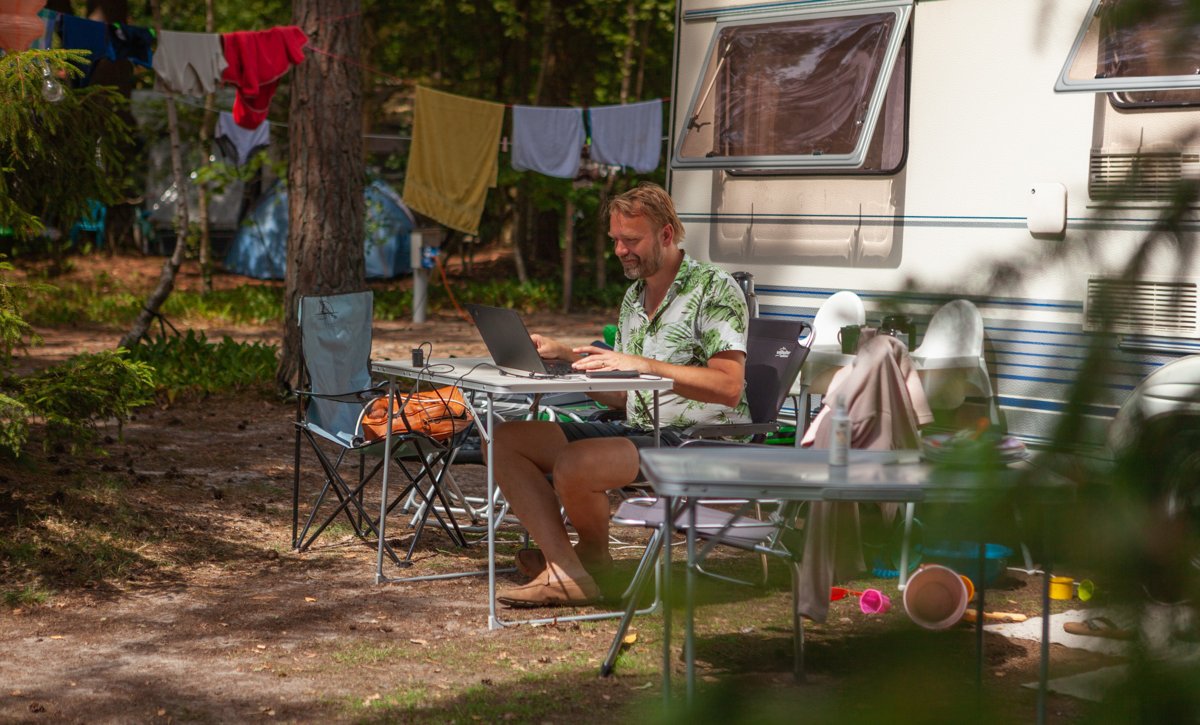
(334,390)
(775,352)
(950,358)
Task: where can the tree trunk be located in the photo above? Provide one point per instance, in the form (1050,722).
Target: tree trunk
(170,268)
(546,61)
(326,168)
(600,242)
(568,255)
(627,54)
(510,232)
(520,232)
(205,125)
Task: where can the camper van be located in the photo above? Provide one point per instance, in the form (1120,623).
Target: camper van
(1016,154)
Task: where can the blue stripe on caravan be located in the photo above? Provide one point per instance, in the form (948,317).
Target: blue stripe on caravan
(1055,406)
(927,220)
(851,218)
(931,298)
(1020,353)
(1137,376)
(1057,381)
(1031,366)
(1068,333)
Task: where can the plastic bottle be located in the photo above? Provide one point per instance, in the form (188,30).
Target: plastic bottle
(839,438)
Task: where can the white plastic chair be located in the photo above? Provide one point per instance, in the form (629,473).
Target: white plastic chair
(950,358)
(841,309)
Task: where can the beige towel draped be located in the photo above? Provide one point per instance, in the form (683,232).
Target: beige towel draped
(454,157)
(887,407)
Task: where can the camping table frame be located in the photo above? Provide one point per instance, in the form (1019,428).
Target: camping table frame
(788,474)
(479,375)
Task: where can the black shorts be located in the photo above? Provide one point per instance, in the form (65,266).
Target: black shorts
(577,431)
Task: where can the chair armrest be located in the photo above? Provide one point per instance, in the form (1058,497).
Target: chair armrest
(353,396)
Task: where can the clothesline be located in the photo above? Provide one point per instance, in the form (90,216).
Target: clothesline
(280,124)
(86,22)
(453,160)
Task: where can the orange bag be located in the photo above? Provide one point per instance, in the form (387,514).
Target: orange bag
(437,413)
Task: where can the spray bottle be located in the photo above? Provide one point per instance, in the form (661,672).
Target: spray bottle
(839,438)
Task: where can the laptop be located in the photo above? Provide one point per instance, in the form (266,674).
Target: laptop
(509,344)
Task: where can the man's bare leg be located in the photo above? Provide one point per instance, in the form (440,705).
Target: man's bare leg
(525,452)
(583,475)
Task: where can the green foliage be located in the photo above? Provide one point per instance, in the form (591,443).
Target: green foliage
(228,15)
(25,597)
(540,52)
(532,296)
(14,425)
(54,157)
(248,304)
(86,390)
(15,332)
(218,175)
(191,365)
(106,300)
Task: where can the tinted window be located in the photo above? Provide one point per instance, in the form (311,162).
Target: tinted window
(800,88)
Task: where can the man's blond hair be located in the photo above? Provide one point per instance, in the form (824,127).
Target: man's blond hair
(651,201)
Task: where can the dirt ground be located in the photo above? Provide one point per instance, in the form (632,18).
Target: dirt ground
(213,617)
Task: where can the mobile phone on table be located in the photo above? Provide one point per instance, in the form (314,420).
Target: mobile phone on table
(613,373)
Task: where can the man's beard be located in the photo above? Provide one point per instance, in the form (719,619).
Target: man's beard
(646,266)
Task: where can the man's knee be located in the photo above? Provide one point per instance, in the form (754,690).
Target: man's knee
(597,463)
(538,441)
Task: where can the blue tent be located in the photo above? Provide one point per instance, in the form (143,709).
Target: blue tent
(259,248)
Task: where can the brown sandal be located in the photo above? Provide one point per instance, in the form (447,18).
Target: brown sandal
(532,562)
(550,591)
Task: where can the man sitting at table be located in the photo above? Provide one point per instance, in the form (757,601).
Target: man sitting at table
(680,319)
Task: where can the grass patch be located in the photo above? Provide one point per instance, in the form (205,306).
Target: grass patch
(108,301)
(26,597)
(56,533)
(367,653)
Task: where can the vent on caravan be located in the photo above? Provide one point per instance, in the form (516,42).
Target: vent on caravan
(1133,307)
(1147,176)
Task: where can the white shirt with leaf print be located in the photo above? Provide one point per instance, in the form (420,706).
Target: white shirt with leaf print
(704,313)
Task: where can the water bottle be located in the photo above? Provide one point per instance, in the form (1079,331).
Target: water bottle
(839,438)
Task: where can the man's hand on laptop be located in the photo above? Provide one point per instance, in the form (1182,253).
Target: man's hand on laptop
(550,349)
(598,358)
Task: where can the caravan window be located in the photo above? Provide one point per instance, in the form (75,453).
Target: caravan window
(1145,53)
(804,94)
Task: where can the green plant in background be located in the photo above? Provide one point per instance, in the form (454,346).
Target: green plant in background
(191,365)
(108,301)
(25,596)
(54,156)
(86,390)
(248,304)
(532,296)
(15,333)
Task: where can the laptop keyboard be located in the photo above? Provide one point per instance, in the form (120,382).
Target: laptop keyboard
(559,367)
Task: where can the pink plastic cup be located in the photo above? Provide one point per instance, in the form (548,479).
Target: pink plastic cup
(874,601)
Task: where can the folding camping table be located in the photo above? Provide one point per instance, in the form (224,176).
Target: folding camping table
(479,375)
(789,474)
